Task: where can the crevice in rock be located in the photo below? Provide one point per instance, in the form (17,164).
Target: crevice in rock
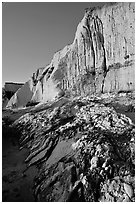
(104,66)
(97,26)
(91,40)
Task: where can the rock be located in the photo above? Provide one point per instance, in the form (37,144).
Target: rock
(79,159)
(100,59)
(83,148)
(126,199)
(94,162)
(84,180)
(128,190)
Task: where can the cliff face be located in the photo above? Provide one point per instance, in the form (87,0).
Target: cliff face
(100,59)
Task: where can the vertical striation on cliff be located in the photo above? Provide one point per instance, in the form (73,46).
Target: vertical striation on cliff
(100,59)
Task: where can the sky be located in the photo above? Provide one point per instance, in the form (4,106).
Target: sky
(33,31)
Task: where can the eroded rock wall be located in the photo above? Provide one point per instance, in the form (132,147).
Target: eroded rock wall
(119,40)
(100,59)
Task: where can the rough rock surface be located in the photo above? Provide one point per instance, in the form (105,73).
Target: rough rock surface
(84,151)
(100,59)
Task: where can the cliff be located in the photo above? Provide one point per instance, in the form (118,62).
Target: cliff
(100,59)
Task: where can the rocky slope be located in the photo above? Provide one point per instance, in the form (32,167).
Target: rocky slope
(83,149)
(100,59)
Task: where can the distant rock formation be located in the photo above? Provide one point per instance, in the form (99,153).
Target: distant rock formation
(100,59)
(8,91)
(11,88)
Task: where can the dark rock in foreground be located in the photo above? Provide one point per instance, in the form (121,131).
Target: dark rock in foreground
(83,149)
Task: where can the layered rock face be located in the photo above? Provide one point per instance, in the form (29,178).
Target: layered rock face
(100,59)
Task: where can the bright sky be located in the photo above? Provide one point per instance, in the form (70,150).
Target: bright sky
(33,32)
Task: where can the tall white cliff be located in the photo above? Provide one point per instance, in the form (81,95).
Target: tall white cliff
(100,59)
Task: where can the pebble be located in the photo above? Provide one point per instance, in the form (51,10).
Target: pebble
(128,190)
(116,178)
(84,180)
(129,179)
(81,176)
(106,168)
(94,162)
(98,149)
(104,164)
(101,172)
